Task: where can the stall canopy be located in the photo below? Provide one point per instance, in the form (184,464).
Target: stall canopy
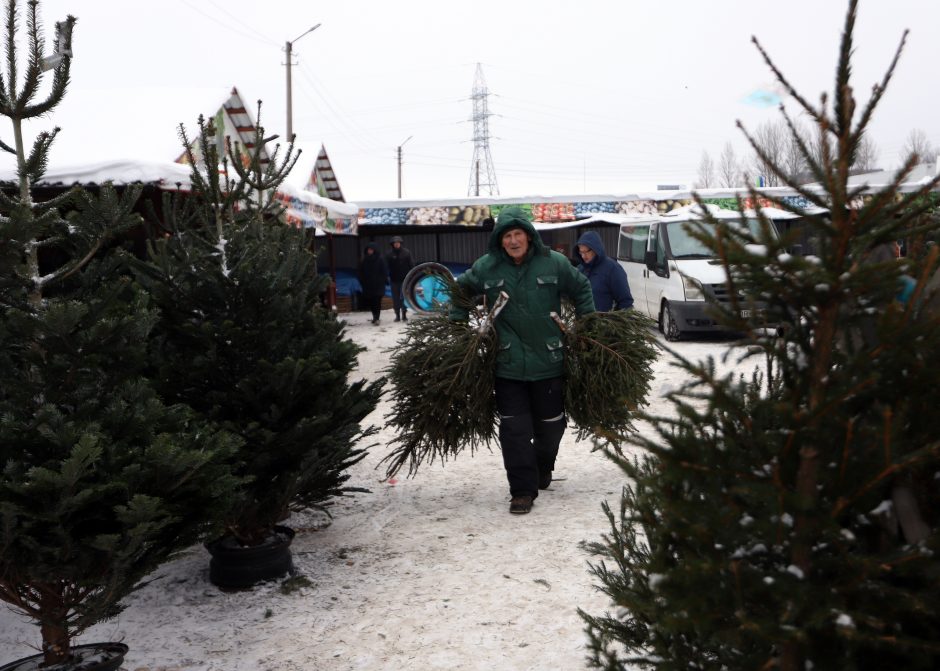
(302,208)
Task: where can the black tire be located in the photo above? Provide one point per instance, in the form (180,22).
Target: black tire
(668,324)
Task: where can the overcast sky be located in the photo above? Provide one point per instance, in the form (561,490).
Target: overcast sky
(598,96)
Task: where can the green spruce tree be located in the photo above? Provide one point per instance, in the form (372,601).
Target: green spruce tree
(100,482)
(244,341)
(788,519)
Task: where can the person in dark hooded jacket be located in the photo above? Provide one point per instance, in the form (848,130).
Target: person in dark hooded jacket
(529,386)
(399,263)
(373,273)
(607,277)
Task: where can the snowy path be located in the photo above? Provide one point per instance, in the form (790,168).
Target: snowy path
(430,572)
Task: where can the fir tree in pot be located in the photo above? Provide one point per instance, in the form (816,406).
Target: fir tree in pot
(789,520)
(100,481)
(244,341)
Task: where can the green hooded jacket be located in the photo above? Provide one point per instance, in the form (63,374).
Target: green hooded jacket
(530,342)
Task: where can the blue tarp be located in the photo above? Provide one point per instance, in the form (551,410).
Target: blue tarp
(347,280)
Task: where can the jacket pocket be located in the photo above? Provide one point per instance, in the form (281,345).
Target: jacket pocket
(556,350)
(504,353)
(491,289)
(549,281)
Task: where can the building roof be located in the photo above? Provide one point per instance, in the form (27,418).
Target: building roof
(323,179)
(236,122)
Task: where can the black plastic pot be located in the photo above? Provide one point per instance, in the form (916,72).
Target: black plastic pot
(87,657)
(236,566)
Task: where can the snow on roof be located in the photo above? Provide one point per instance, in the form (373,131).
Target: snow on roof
(776,213)
(164,174)
(695,212)
(169,176)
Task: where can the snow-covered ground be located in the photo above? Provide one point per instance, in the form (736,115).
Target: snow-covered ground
(430,572)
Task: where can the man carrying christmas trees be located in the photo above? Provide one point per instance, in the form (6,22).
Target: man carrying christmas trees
(529,365)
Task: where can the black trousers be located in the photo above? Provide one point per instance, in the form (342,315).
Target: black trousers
(531,424)
(398,303)
(373,303)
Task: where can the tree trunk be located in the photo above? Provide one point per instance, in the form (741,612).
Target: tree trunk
(55,635)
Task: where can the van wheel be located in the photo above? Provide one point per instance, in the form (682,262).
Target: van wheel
(668,324)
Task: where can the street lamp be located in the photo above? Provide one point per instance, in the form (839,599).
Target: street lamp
(289,49)
(399,164)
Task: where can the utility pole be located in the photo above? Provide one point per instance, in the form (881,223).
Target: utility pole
(399,164)
(289,49)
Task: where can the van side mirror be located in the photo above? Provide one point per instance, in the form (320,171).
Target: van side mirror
(650,259)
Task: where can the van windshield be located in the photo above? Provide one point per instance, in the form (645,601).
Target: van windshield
(683,246)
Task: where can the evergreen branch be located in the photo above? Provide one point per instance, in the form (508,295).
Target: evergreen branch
(441,384)
(61,74)
(38,160)
(879,89)
(608,369)
(808,158)
(35,44)
(926,454)
(844,106)
(815,114)
(765,158)
(12,102)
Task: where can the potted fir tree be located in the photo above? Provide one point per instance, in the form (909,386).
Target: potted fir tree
(789,520)
(244,342)
(100,481)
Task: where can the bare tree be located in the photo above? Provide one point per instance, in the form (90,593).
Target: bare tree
(770,140)
(794,161)
(729,174)
(706,172)
(866,156)
(917,143)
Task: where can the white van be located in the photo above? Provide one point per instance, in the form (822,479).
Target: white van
(671,273)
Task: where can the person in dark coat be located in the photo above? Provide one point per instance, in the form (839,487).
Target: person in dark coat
(607,277)
(399,262)
(373,273)
(529,385)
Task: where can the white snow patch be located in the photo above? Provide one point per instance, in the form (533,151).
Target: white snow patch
(844,620)
(795,570)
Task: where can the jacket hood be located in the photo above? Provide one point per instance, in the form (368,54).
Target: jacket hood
(374,247)
(592,240)
(515,217)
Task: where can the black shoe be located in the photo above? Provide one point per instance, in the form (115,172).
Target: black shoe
(520,505)
(545,479)
(398,319)
(404,317)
